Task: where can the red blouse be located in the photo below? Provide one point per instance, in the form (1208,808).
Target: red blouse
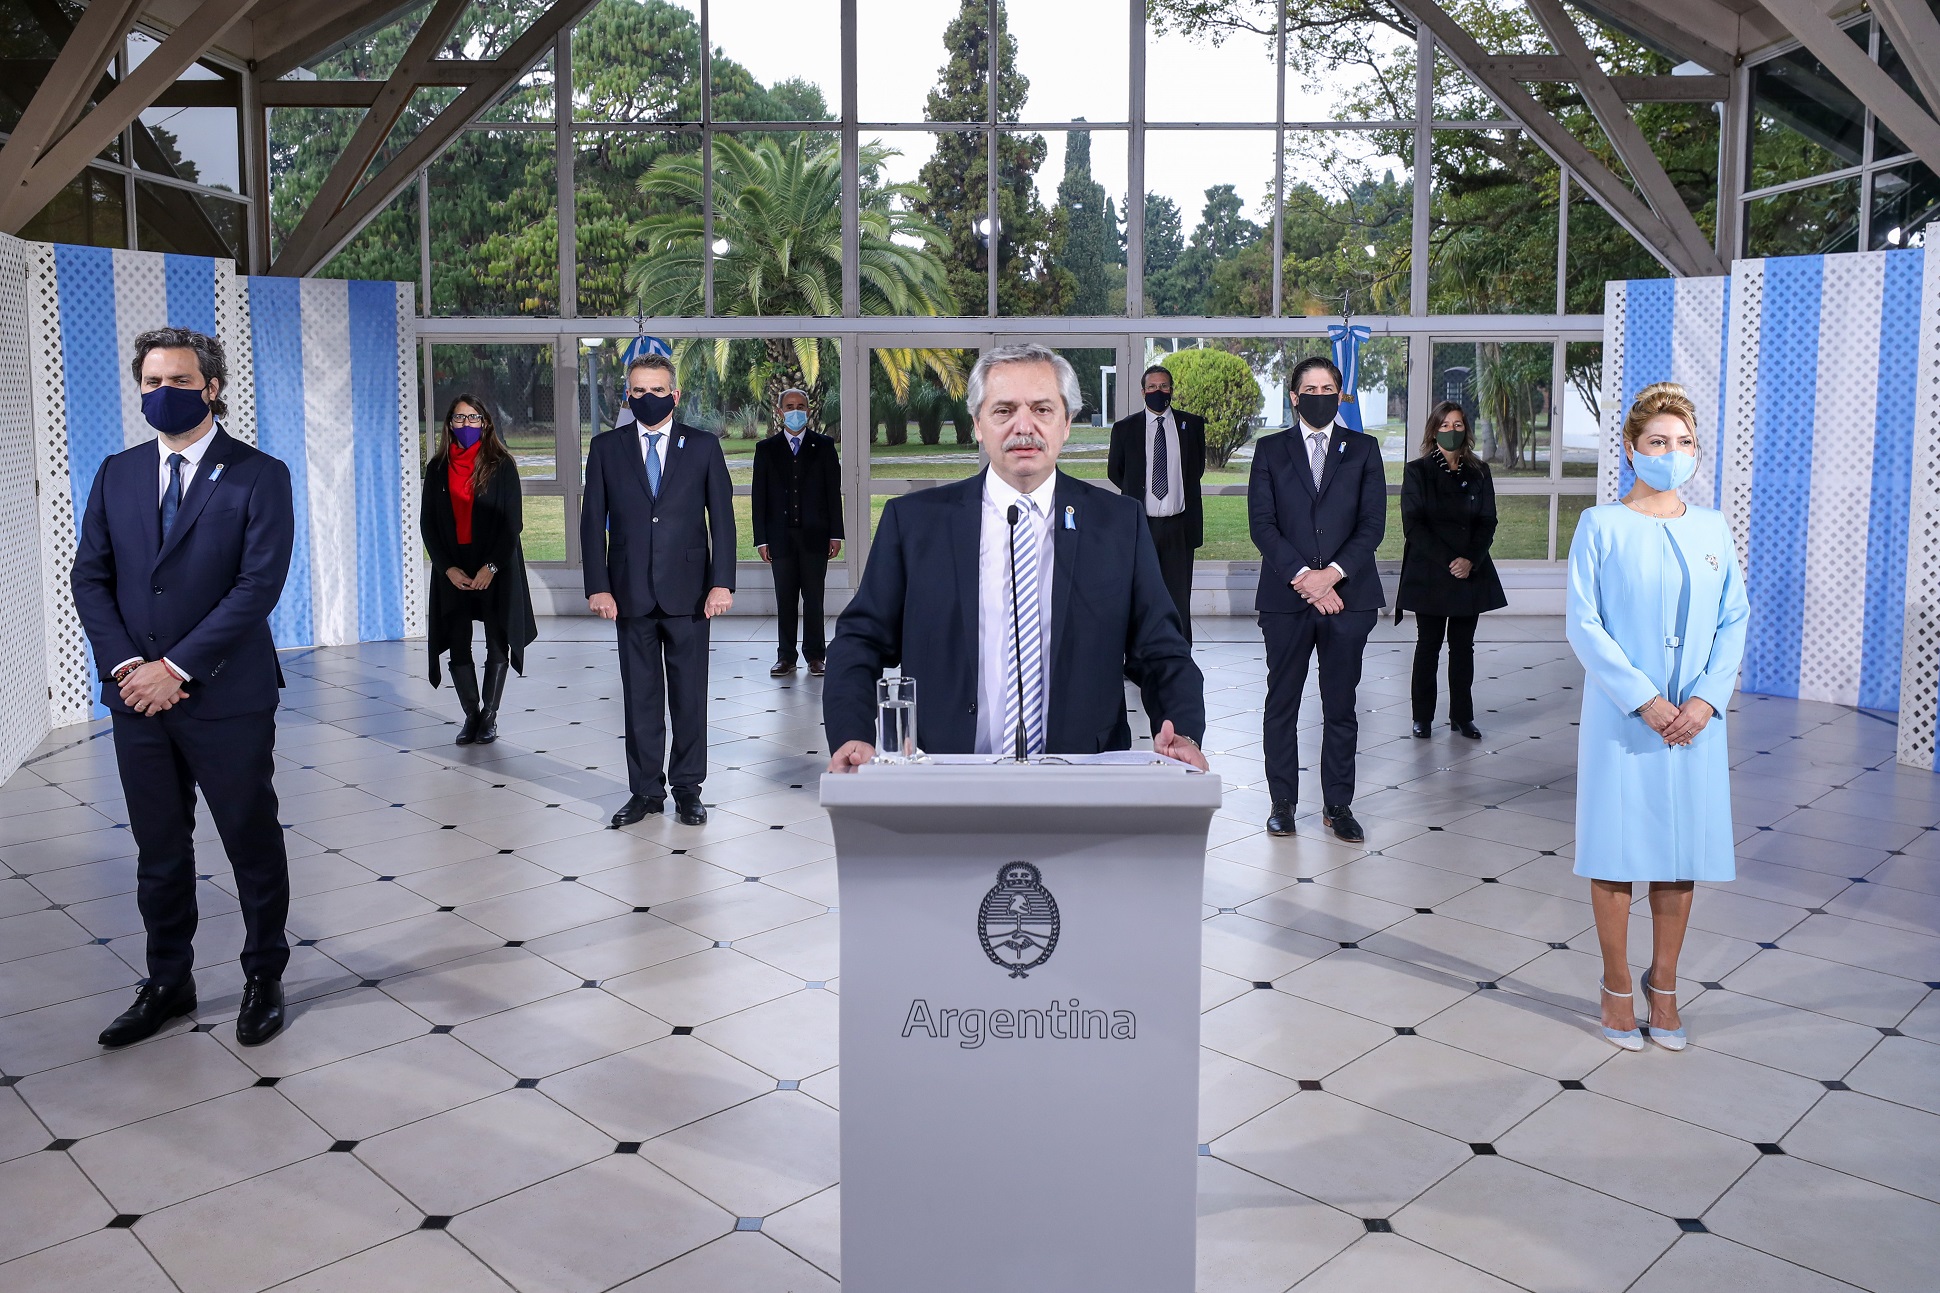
(459,463)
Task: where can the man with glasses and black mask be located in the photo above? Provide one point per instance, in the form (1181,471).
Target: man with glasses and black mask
(1158,455)
(1318,505)
(184,546)
(656,533)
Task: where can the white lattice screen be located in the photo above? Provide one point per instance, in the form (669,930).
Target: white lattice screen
(69,697)
(23,698)
(1919,739)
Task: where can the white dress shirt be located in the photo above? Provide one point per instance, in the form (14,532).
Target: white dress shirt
(666,432)
(1307,434)
(193,454)
(994,682)
(1174,502)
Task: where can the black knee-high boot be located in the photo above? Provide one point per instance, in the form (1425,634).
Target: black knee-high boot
(488,704)
(464,681)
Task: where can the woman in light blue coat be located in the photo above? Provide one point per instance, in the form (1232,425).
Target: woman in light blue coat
(1657,615)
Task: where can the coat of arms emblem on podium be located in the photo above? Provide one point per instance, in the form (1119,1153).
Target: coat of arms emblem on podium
(1018,920)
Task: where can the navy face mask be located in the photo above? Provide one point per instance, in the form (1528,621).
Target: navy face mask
(174,410)
(651,410)
(1158,401)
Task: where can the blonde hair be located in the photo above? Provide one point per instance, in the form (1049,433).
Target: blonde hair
(1657,399)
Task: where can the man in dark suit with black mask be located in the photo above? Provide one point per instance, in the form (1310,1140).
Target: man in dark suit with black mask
(1318,504)
(184,546)
(1158,455)
(798,526)
(1018,599)
(656,533)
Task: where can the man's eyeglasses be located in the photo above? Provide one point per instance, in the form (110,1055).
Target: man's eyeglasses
(467,420)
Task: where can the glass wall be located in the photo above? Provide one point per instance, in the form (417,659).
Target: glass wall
(1821,173)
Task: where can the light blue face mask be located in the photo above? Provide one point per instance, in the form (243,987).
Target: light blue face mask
(1663,471)
(795,419)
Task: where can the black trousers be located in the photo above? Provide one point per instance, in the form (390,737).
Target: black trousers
(1172,538)
(1460,632)
(1292,639)
(163,759)
(663,675)
(458,632)
(801,565)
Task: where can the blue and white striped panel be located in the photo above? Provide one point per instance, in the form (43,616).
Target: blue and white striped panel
(327,355)
(1666,330)
(1831,400)
(103,299)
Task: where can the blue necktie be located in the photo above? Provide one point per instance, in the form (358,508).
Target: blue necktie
(1026,645)
(653,462)
(172,496)
(1161,468)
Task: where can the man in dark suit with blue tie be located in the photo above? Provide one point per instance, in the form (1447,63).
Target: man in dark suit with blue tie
(1318,505)
(656,533)
(184,545)
(1018,599)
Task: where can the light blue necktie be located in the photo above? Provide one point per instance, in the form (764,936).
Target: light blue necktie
(172,496)
(653,462)
(1026,645)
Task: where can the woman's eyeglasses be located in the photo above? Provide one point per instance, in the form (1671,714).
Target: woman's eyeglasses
(467,420)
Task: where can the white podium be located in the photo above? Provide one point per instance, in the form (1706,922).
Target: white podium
(1019,1024)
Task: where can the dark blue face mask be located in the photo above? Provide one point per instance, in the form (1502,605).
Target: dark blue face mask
(650,410)
(467,436)
(174,410)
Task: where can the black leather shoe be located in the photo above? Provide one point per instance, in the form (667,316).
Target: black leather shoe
(817,668)
(689,810)
(1339,818)
(155,1004)
(1421,731)
(1280,820)
(782,669)
(1468,729)
(261,1017)
(635,808)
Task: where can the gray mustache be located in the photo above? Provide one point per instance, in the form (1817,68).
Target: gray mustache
(1026,440)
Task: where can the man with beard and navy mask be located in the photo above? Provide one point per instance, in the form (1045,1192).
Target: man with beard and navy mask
(1158,454)
(798,525)
(184,546)
(1318,505)
(656,533)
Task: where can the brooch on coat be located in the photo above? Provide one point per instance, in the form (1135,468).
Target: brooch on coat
(1712,558)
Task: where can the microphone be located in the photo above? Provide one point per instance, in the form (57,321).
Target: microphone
(1020,743)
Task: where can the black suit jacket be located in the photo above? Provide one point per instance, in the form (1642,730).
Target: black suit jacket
(1295,525)
(202,596)
(657,554)
(1126,463)
(821,485)
(918,607)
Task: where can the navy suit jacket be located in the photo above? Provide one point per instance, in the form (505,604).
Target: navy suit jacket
(820,467)
(657,554)
(918,607)
(1296,525)
(202,596)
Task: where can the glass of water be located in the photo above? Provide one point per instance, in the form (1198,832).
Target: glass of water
(896,721)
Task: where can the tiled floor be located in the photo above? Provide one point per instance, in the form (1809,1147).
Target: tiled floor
(530,1052)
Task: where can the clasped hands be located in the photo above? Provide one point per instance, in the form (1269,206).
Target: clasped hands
(1317,587)
(151,688)
(1677,724)
(477,583)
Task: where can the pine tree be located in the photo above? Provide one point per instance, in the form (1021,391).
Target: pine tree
(1165,242)
(1088,240)
(956,176)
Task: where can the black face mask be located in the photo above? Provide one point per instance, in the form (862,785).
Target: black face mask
(651,410)
(1318,411)
(1158,401)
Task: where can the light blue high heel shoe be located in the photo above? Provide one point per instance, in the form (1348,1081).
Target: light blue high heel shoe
(1671,1039)
(1633,1040)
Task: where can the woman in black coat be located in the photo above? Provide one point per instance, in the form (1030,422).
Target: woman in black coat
(471,519)
(1447,579)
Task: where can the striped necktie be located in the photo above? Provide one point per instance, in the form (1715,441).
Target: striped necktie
(1026,646)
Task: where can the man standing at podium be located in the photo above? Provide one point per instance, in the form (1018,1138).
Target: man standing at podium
(1017,599)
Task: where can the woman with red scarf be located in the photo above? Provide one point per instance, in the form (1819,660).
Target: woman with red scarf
(471,519)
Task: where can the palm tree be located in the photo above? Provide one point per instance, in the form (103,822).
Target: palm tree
(778,231)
